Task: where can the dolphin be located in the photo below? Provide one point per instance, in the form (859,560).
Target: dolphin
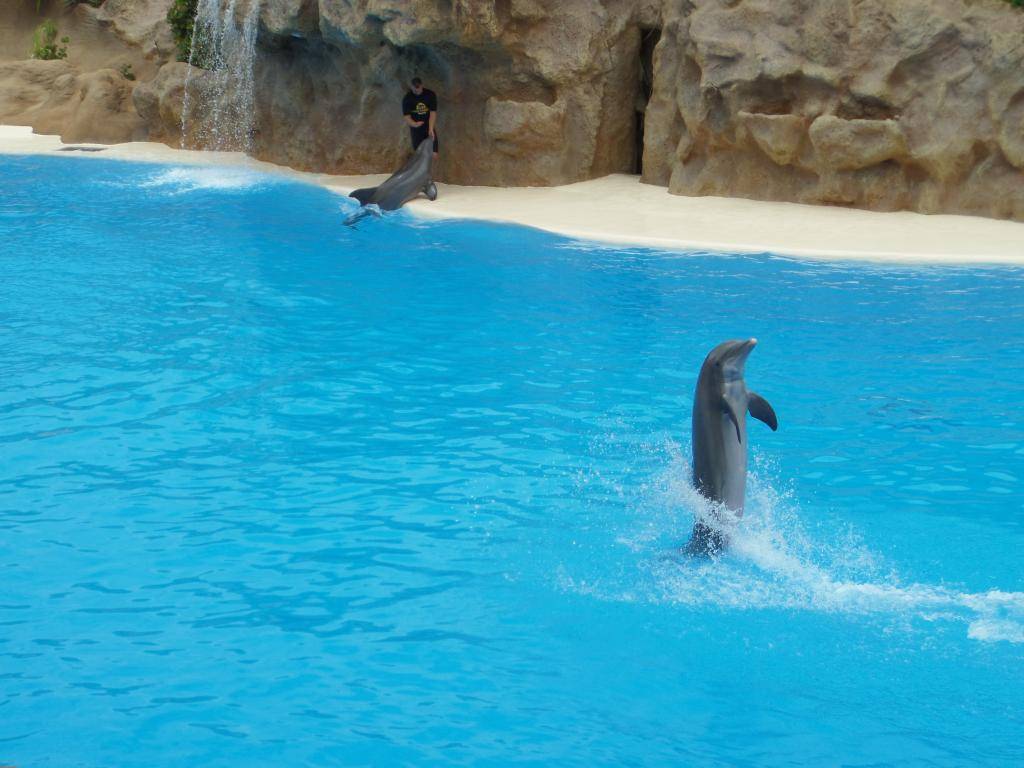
(404,184)
(720,405)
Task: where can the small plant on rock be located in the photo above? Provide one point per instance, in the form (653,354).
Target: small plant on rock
(44,42)
(182,18)
(126,71)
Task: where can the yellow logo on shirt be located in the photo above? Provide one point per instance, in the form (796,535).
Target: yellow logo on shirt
(421,108)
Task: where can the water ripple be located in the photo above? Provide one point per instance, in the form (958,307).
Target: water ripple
(413,491)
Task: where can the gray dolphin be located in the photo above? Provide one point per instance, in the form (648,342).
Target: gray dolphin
(720,405)
(404,184)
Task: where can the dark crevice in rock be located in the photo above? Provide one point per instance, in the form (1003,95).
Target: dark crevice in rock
(649,38)
(858,107)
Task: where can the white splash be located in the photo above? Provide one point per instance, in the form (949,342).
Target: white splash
(995,630)
(773,563)
(182,179)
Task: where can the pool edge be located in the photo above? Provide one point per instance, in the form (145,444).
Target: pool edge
(620,210)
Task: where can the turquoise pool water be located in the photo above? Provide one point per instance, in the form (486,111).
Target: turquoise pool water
(279,492)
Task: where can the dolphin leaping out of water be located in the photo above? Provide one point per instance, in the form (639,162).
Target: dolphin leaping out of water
(404,184)
(720,405)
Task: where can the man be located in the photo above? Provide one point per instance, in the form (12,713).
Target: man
(419,107)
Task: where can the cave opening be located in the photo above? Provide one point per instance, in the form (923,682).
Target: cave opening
(649,37)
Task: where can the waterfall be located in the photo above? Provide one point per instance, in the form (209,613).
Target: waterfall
(219,105)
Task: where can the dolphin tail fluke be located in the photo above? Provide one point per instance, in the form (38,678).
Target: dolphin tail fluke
(363,195)
(762,410)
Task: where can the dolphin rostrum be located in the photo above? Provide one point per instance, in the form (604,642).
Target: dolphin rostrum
(404,184)
(720,405)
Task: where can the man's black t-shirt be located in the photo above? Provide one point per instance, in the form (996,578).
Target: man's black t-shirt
(420,107)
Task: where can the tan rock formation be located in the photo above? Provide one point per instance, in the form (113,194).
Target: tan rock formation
(849,145)
(53,98)
(917,104)
(159,102)
(778,136)
(85,97)
(914,104)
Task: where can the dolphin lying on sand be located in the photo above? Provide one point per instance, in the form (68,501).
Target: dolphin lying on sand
(720,406)
(403,185)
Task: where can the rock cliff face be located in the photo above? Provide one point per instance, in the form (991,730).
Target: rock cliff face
(530,92)
(916,104)
(88,96)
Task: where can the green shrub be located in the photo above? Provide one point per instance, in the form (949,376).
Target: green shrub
(44,42)
(1016,3)
(182,18)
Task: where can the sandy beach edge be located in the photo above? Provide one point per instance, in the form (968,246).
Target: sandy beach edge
(620,210)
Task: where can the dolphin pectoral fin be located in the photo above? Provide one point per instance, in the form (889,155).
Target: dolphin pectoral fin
(363,195)
(762,410)
(734,415)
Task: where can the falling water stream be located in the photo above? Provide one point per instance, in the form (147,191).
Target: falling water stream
(219,106)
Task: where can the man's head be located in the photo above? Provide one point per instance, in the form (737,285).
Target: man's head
(417,86)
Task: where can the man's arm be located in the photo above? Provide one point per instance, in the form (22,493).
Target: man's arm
(407,114)
(433,119)
(417,123)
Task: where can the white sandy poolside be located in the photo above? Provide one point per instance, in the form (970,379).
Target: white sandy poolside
(619,209)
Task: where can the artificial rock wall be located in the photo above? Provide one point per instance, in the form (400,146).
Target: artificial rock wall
(883,104)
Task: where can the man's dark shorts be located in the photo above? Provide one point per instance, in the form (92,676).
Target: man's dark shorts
(419,135)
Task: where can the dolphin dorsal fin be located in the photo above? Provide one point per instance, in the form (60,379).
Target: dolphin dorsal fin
(762,410)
